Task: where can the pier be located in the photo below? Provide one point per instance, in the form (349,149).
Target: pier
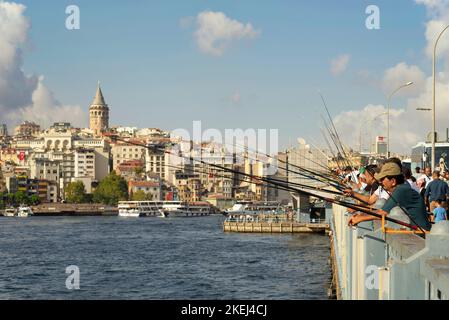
(374,263)
(69,209)
(273,227)
(279,223)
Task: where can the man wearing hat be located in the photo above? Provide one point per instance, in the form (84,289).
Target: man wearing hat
(392,180)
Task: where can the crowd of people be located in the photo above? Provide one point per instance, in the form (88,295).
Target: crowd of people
(423,195)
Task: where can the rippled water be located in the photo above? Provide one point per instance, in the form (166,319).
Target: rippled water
(154,258)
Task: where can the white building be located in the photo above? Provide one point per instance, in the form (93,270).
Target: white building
(84,163)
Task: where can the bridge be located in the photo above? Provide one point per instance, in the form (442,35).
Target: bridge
(373,262)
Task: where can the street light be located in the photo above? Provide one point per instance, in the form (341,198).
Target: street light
(433,98)
(388,120)
(423,109)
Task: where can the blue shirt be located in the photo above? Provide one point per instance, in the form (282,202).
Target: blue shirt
(439,213)
(438,190)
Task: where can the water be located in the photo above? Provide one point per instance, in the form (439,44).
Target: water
(154,258)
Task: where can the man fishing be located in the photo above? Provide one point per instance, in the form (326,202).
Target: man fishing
(375,191)
(392,180)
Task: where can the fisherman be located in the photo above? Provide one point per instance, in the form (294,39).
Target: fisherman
(376,192)
(403,195)
(436,190)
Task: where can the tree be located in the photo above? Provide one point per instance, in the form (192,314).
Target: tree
(75,192)
(10,199)
(34,199)
(21,197)
(139,196)
(111,190)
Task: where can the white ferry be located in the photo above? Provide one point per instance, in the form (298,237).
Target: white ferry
(186,209)
(163,209)
(24,212)
(255,207)
(140,209)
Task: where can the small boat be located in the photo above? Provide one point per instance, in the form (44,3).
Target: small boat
(10,212)
(24,212)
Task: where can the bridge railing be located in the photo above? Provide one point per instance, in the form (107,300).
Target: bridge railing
(375,265)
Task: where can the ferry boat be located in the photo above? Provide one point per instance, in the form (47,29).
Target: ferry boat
(24,212)
(255,207)
(140,209)
(186,209)
(163,209)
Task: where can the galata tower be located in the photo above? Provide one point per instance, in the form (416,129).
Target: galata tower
(98,114)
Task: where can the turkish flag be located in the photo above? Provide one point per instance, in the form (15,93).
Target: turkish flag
(22,155)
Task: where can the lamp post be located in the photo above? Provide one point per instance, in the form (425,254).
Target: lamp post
(433,98)
(388,120)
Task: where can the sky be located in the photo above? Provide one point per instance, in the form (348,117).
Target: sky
(229,64)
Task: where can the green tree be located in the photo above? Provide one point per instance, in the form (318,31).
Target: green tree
(21,197)
(75,192)
(10,199)
(139,196)
(111,190)
(34,199)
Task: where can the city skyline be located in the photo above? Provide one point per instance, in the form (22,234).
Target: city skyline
(159,66)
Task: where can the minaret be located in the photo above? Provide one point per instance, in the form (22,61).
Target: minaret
(98,113)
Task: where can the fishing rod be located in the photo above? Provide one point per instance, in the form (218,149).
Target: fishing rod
(331,150)
(282,186)
(345,204)
(310,174)
(336,134)
(341,153)
(281,161)
(267,179)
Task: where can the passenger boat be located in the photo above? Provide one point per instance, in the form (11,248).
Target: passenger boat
(139,209)
(163,209)
(24,212)
(186,209)
(255,207)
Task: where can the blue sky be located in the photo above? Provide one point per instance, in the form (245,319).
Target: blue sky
(154,75)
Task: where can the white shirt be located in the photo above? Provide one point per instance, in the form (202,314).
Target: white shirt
(381,193)
(426,178)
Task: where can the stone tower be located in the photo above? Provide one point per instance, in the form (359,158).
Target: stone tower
(98,114)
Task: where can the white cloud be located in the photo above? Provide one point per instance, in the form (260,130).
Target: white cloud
(339,64)
(46,110)
(215,32)
(407,125)
(24,97)
(399,75)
